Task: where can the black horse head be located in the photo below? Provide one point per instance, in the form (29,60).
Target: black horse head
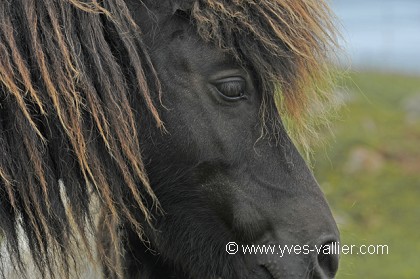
(223,170)
(217,178)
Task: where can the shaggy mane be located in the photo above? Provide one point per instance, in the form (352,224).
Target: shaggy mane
(74,75)
(289,44)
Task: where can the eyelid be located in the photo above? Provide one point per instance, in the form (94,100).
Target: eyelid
(229,79)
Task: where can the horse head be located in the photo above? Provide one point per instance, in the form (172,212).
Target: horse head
(220,173)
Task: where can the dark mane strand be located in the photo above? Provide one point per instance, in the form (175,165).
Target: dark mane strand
(68,130)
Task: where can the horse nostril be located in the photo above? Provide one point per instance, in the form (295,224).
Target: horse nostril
(328,259)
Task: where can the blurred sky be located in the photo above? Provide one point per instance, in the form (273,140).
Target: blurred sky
(380,34)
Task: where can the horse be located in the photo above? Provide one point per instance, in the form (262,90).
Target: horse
(148,137)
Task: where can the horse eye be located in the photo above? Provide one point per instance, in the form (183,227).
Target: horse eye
(231,89)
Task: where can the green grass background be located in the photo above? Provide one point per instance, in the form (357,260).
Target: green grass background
(370,173)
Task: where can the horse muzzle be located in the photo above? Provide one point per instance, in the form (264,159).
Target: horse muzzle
(297,262)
